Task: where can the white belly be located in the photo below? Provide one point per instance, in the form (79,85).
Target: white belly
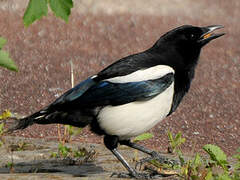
(135,118)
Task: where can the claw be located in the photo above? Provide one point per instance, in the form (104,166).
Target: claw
(159,158)
(164,160)
(142,161)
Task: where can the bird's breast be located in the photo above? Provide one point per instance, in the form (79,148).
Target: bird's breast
(132,119)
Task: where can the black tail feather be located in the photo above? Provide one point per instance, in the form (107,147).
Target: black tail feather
(21,124)
(25,122)
(74,118)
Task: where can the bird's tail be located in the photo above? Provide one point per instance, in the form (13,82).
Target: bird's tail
(25,122)
(74,118)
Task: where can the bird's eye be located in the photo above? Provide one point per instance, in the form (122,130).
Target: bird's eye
(192,36)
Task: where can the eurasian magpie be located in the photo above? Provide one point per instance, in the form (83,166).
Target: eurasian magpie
(132,95)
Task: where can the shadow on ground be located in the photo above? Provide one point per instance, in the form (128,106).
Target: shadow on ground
(66,166)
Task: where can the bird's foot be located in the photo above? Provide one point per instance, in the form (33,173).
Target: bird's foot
(159,158)
(136,175)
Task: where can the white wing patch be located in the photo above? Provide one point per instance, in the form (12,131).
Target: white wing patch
(39,117)
(94,76)
(155,72)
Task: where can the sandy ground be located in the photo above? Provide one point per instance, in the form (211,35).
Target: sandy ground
(100,32)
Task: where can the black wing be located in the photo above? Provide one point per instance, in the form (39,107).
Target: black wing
(107,93)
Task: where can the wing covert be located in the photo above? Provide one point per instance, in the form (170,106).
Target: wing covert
(108,93)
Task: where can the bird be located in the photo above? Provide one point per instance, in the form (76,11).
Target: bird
(132,95)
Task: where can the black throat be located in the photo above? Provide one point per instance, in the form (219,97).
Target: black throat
(183,79)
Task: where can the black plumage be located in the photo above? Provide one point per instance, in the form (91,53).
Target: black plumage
(176,51)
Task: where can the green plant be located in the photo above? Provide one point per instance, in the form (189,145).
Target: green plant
(36,9)
(216,167)
(236,173)
(21,146)
(69,132)
(175,142)
(217,156)
(64,152)
(143,137)
(6,114)
(1,132)
(1,128)
(54,155)
(80,152)
(5,60)
(10,166)
(194,169)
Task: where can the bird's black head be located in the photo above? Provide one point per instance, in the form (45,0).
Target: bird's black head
(188,35)
(187,40)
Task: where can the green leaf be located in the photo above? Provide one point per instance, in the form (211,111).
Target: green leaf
(238,150)
(76,131)
(2,42)
(80,152)
(35,10)
(216,154)
(175,142)
(61,8)
(1,143)
(224,177)
(6,61)
(1,128)
(6,114)
(143,137)
(9,164)
(178,136)
(209,176)
(53,155)
(194,177)
(197,160)
(181,158)
(170,136)
(64,150)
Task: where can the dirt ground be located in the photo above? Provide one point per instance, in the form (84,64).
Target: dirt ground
(100,32)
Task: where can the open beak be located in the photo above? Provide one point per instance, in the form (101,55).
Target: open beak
(208,34)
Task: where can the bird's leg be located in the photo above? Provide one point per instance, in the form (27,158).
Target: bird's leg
(132,172)
(154,155)
(137,146)
(111,143)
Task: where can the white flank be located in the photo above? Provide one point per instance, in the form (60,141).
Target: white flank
(135,118)
(155,72)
